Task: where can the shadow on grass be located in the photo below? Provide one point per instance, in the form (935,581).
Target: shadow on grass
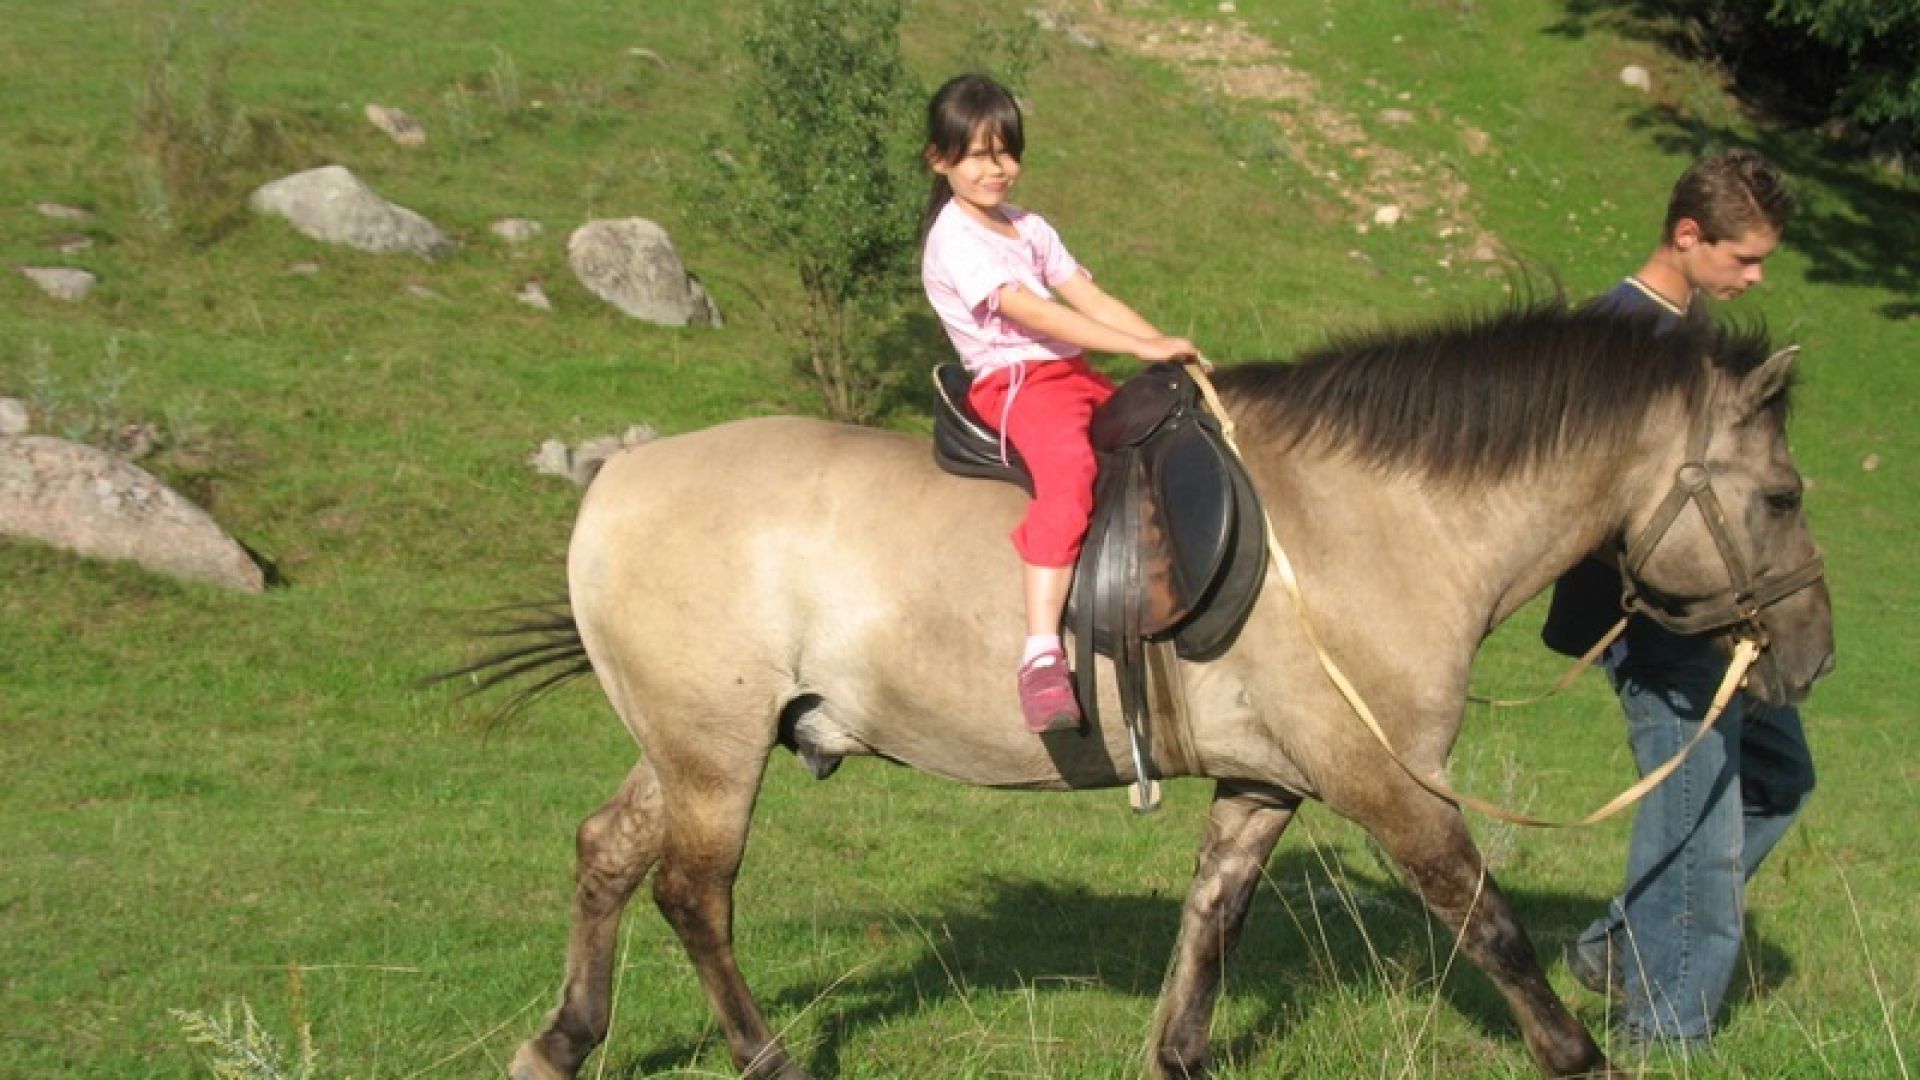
(1319,924)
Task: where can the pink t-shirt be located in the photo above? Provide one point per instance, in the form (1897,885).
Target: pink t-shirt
(963,267)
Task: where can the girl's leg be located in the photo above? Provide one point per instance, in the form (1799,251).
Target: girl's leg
(1048,425)
(1046,593)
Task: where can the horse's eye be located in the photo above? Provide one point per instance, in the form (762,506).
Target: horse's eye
(1783,502)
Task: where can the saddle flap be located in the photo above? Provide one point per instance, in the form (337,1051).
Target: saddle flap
(1193,492)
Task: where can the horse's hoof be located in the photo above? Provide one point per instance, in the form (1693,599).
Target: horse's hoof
(528,1064)
(1169,1065)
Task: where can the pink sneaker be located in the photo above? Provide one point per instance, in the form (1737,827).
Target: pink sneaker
(1046,694)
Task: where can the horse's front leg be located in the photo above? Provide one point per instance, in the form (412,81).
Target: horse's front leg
(1242,827)
(1429,840)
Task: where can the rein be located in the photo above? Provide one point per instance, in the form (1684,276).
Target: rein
(1746,648)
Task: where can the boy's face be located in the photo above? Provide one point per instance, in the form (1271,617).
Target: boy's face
(1726,268)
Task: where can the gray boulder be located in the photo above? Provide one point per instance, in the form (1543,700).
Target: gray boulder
(89,502)
(330,204)
(631,264)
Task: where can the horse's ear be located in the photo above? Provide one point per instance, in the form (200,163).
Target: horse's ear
(1768,380)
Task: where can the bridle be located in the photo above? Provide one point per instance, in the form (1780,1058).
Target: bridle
(1739,606)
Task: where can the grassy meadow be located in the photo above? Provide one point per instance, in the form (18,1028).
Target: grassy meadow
(218,802)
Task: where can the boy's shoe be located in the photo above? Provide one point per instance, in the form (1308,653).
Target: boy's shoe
(1046,694)
(1604,975)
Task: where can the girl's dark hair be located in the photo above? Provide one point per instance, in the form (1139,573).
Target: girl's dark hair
(966,106)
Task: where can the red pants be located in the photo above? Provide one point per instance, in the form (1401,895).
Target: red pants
(1048,425)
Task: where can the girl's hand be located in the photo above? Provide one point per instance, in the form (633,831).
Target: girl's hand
(1167,348)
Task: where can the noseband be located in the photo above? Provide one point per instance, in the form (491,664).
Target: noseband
(1738,606)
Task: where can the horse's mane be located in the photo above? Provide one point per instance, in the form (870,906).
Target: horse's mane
(1478,397)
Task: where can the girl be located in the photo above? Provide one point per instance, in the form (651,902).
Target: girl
(991,271)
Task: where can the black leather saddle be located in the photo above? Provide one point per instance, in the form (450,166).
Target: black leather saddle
(1177,547)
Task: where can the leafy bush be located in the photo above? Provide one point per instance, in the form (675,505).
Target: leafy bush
(828,182)
(1860,60)
(1881,44)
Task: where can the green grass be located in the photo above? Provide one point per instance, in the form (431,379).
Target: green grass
(216,799)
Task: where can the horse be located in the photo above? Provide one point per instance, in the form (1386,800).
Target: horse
(787,582)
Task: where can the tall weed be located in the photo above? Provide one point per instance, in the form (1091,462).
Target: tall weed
(195,147)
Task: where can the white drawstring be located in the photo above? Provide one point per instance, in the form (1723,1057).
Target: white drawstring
(1015,380)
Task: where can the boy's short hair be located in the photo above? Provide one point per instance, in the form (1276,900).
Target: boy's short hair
(1729,193)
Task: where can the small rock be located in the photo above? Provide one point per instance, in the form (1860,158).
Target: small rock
(1635,76)
(421,292)
(1228,7)
(551,459)
(592,454)
(14,417)
(1388,216)
(72,243)
(399,127)
(1396,117)
(640,53)
(61,283)
(1870,463)
(532,295)
(62,213)
(637,434)
(516,230)
(305,268)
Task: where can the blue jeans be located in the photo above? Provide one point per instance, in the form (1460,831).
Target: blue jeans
(1697,838)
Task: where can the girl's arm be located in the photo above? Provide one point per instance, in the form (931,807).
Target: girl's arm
(1063,323)
(1101,306)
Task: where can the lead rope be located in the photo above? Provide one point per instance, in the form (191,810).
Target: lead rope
(1744,652)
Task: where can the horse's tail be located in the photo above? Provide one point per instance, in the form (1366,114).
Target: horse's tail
(543,645)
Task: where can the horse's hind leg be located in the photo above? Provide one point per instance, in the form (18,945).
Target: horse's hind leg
(706,835)
(1242,828)
(614,849)
(1431,843)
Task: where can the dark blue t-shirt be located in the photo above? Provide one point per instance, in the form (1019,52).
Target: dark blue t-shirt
(1586,599)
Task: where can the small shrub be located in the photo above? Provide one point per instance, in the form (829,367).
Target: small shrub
(194,146)
(93,409)
(827,183)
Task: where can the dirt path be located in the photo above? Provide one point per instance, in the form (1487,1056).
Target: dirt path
(1388,189)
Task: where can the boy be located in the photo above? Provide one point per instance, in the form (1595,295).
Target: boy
(1669,943)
